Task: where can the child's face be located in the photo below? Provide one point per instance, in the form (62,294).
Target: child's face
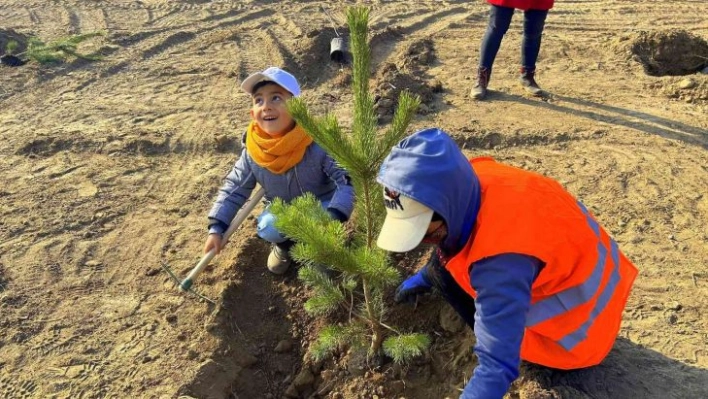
(269,110)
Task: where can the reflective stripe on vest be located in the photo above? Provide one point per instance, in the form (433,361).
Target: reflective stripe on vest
(573,297)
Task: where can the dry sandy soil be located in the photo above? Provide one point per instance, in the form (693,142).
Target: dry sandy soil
(108,168)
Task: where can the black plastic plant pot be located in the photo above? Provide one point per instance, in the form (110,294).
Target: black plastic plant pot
(11,60)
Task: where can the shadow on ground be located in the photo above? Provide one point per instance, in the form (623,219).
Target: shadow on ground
(629,371)
(252,320)
(641,121)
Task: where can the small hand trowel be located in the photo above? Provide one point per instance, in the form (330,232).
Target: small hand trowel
(246,209)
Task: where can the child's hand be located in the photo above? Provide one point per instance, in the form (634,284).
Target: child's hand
(213,242)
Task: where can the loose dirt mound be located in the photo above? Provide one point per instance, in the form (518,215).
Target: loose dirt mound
(692,89)
(407,73)
(673,52)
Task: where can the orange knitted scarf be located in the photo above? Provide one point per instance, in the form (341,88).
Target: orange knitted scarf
(277,153)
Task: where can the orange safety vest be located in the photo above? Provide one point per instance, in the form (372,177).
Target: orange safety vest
(578,298)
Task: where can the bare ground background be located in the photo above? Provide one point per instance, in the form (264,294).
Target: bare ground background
(109,168)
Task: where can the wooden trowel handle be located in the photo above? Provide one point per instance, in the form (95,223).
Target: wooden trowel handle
(241,215)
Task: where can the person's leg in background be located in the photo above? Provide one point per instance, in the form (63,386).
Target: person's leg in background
(499,20)
(534,21)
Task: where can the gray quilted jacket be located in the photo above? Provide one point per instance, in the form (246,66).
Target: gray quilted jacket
(316,173)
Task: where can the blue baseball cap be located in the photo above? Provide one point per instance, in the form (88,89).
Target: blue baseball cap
(275,75)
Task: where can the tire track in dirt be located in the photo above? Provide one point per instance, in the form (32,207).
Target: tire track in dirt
(94,20)
(163,19)
(123,18)
(44,335)
(246,60)
(33,17)
(207,120)
(17,388)
(277,53)
(84,374)
(387,15)
(201,123)
(204,126)
(427,22)
(183,37)
(224,15)
(106,21)
(177,40)
(171,41)
(73,20)
(92,371)
(150,16)
(12,14)
(621,17)
(163,27)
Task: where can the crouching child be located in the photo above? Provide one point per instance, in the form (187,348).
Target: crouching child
(281,157)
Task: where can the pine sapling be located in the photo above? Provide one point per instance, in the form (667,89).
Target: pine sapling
(59,50)
(345,269)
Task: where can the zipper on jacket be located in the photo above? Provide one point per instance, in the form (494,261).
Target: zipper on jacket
(297,179)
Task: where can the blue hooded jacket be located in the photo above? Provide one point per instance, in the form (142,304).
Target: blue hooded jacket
(429,168)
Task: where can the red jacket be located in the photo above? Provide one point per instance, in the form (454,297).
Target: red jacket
(524,4)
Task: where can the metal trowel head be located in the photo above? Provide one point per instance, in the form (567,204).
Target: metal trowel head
(185,285)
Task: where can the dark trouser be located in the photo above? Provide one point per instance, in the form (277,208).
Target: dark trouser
(286,245)
(443,281)
(499,20)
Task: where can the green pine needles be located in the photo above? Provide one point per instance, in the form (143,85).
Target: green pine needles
(11,46)
(404,347)
(60,50)
(345,270)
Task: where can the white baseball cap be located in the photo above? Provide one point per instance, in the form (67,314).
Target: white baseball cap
(275,75)
(406,222)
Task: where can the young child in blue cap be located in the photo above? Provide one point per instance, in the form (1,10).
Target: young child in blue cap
(281,157)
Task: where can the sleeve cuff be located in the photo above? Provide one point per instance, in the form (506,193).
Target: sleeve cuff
(216,227)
